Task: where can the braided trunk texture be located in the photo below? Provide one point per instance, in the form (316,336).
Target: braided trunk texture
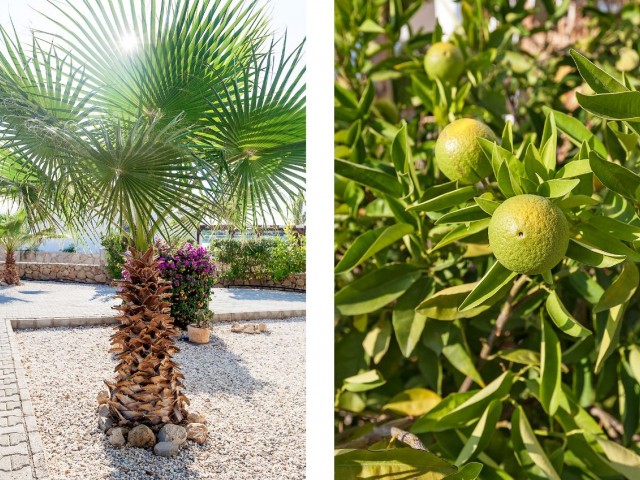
(11,271)
(147,388)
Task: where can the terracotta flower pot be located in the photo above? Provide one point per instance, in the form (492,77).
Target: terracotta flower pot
(198,335)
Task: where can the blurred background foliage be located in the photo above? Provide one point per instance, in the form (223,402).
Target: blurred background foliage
(399,371)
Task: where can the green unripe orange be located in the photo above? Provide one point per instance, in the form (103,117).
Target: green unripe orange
(528,234)
(444,61)
(458,154)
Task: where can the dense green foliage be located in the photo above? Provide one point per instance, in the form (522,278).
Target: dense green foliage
(115,244)
(261,258)
(439,346)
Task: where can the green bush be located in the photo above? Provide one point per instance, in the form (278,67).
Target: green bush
(115,245)
(448,364)
(261,258)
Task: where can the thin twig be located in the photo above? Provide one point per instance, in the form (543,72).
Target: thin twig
(381,431)
(496,332)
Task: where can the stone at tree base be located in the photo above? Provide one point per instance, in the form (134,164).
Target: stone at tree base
(105,423)
(103,397)
(141,436)
(166,449)
(172,433)
(197,432)
(117,438)
(196,417)
(103,410)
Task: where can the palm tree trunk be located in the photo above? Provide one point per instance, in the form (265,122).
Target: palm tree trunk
(147,388)
(11,270)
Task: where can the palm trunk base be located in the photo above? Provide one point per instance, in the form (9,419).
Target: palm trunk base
(147,388)
(11,270)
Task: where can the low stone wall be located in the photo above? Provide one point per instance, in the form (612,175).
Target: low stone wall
(296,281)
(62,272)
(28,256)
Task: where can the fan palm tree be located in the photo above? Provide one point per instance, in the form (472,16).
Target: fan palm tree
(141,116)
(15,233)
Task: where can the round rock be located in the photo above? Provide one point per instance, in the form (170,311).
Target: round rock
(103,410)
(197,432)
(141,437)
(117,438)
(196,417)
(103,397)
(105,423)
(172,433)
(166,449)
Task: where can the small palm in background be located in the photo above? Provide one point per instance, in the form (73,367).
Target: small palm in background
(14,234)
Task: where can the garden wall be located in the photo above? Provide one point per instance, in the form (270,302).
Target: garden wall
(62,266)
(296,281)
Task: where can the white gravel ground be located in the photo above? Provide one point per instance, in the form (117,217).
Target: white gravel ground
(250,387)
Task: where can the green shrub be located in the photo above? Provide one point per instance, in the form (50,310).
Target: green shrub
(69,249)
(485,372)
(115,245)
(261,258)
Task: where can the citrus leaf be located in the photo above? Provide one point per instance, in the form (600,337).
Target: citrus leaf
(488,206)
(473,407)
(521,355)
(504,181)
(576,131)
(550,375)
(364,381)
(467,214)
(376,289)
(462,231)
(613,106)
(634,362)
(623,460)
(550,143)
(622,231)
(610,336)
(562,318)
(369,26)
(482,433)
(394,464)
(369,177)
(615,177)
(444,304)
(446,200)
(431,421)
(621,290)
(603,240)
(413,402)
(377,341)
(592,256)
(408,324)
(487,290)
(461,360)
(470,471)
(528,450)
(370,243)
(557,187)
(596,78)
(574,169)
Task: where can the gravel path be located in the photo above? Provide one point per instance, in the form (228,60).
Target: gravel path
(250,387)
(35,299)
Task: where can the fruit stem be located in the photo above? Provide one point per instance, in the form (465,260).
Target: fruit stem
(496,332)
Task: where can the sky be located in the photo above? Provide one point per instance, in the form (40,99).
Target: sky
(286,15)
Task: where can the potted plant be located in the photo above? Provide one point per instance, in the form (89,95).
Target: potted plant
(199,331)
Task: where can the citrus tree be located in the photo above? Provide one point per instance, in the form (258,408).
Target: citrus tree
(486,312)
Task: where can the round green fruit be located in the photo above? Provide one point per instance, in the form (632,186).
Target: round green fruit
(444,61)
(458,154)
(528,234)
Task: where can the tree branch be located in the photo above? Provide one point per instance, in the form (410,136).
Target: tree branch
(394,429)
(496,332)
